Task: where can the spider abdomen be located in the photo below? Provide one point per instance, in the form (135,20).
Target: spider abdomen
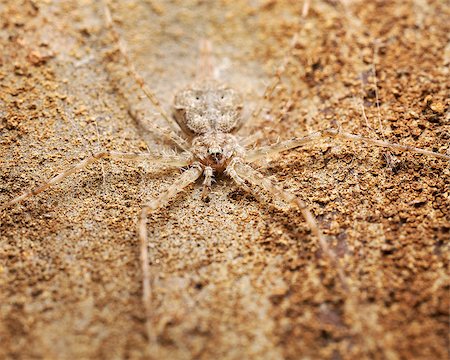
(208,107)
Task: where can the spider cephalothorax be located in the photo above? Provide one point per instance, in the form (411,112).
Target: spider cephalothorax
(208,114)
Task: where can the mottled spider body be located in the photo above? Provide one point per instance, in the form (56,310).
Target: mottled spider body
(208,107)
(208,114)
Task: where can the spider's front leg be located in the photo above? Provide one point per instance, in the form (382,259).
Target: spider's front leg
(186,179)
(175,161)
(333,133)
(209,177)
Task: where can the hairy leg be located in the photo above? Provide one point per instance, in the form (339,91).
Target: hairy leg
(205,64)
(175,161)
(356,310)
(186,179)
(265,151)
(241,172)
(139,80)
(158,132)
(209,176)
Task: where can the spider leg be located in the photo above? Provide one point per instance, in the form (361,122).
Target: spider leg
(138,78)
(265,151)
(262,152)
(205,64)
(158,132)
(241,173)
(175,161)
(209,175)
(252,138)
(335,133)
(186,179)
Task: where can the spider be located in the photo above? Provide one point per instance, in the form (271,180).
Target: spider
(204,128)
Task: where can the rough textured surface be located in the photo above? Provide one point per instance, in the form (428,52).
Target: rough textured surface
(237,278)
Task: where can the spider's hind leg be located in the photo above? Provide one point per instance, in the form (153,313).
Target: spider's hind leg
(241,173)
(356,311)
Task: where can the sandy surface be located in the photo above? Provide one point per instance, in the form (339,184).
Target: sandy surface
(237,278)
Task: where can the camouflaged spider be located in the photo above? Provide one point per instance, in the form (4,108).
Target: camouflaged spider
(206,120)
